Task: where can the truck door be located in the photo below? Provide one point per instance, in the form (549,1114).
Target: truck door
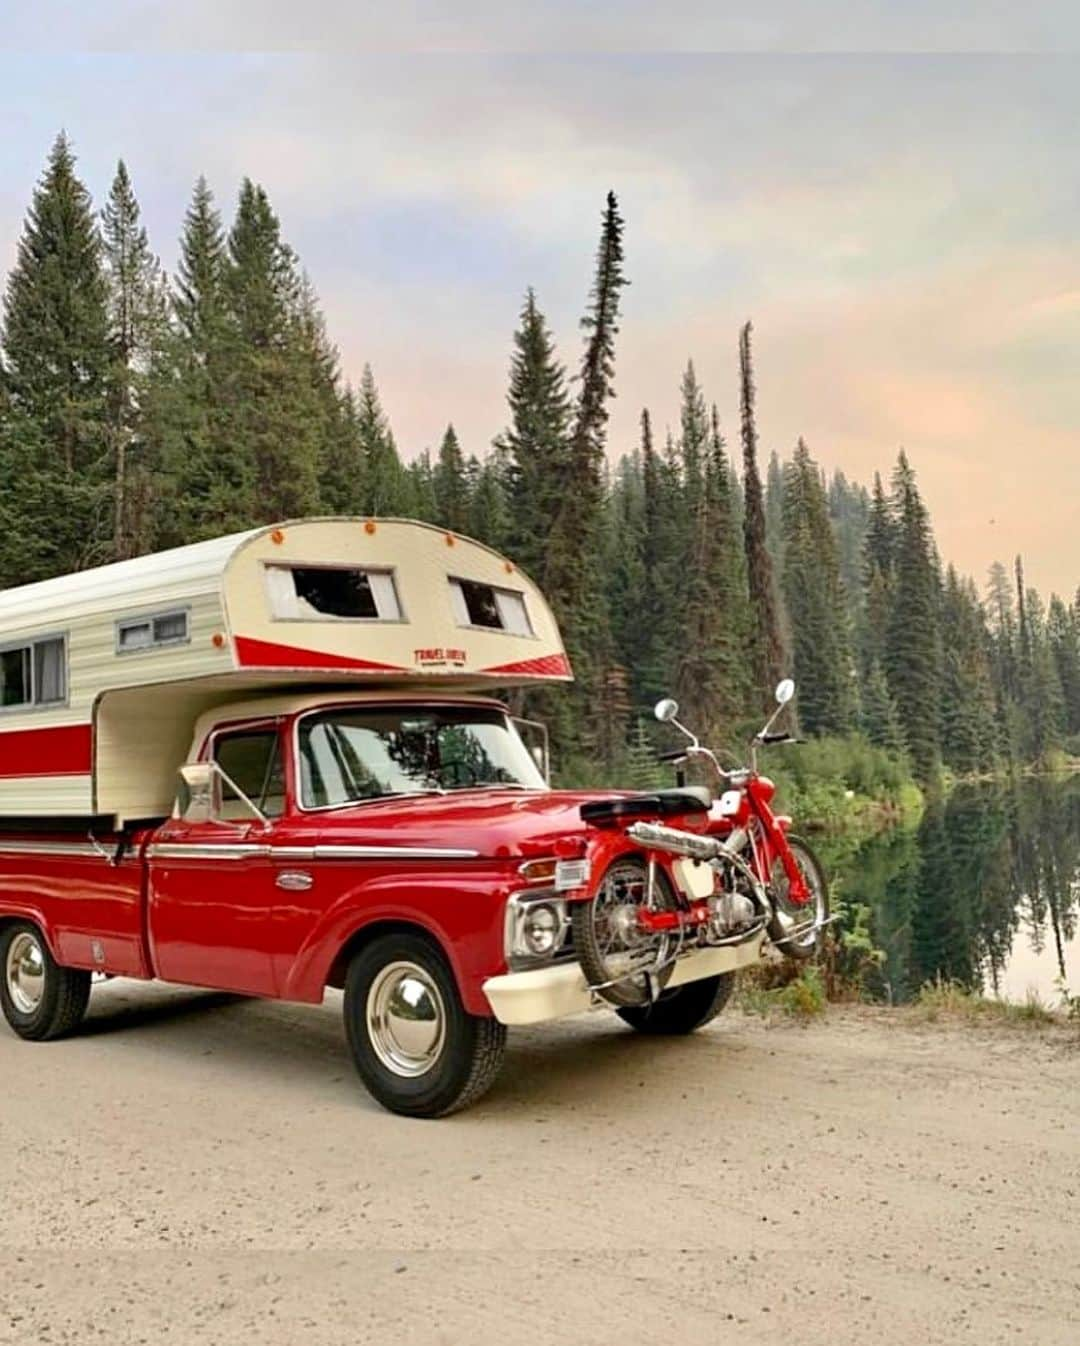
(212,894)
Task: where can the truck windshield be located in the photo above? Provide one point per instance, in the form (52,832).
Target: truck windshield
(358,753)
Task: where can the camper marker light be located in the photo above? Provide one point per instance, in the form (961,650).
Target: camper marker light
(217,640)
(369,526)
(449,539)
(277,537)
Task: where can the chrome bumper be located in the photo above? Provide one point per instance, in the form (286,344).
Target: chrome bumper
(551,992)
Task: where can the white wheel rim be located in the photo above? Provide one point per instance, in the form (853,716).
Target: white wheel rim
(25,970)
(406,1019)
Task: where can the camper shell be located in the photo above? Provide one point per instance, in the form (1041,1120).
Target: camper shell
(104,673)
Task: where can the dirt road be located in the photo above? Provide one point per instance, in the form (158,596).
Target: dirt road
(195,1168)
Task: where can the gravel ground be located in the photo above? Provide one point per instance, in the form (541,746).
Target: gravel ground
(200,1168)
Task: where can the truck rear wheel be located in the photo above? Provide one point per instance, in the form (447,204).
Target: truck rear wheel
(682,1009)
(40,999)
(415,1046)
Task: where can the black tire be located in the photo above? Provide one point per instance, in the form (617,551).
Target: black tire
(450,1073)
(633,990)
(61,994)
(683,1009)
(804,950)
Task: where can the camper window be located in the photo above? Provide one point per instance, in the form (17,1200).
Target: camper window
(147,633)
(33,674)
(343,593)
(493,609)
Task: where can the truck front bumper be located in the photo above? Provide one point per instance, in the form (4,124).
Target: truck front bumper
(551,992)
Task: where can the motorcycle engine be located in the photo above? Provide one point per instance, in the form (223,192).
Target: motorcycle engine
(730,913)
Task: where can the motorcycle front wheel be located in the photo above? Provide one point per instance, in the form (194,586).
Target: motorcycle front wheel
(616,955)
(796,928)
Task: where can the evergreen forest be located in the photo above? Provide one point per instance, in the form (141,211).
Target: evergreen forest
(140,411)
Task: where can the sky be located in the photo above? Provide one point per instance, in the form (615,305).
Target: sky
(894,204)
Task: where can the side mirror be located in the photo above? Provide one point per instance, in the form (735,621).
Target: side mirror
(666,710)
(198,798)
(785,690)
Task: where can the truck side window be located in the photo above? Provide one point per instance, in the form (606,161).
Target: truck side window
(252,758)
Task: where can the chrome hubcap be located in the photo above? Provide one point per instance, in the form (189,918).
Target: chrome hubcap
(25,972)
(406,1019)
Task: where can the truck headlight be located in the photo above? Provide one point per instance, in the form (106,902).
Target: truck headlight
(541,928)
(535,926)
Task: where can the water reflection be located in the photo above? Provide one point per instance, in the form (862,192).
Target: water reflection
(985,891)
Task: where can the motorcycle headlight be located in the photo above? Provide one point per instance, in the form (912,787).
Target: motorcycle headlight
(540,929)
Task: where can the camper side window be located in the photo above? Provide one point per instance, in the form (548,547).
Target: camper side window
(486,606)
(34,674)
(152,631)
(344,593)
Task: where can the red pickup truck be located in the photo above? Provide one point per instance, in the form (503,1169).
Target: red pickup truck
(288,870)
(240,765)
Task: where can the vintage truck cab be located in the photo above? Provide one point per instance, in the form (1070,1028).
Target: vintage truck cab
(273,764)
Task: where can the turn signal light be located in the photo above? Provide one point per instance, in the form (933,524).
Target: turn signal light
(537,871)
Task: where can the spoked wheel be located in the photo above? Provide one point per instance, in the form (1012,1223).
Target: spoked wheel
(796,926)
(615,953)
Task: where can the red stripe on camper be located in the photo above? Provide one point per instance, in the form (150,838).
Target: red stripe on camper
(547,666)
(64,750)
(268,654)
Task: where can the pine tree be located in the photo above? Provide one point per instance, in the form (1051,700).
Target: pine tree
(912,652)
(968,735)
(489,517)
(660,603)
(1063,636)
(56,372)
(138,334)
(534,445)
(270,415)
(572,569)
(571,576)
(201,478)
(768,653)
(387,487)
(451,487)
(814,596)
(711,666)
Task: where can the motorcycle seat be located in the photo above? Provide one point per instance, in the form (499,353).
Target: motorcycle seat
(652,804)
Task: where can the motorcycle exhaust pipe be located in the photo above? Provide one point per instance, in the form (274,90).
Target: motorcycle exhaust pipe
(656,837)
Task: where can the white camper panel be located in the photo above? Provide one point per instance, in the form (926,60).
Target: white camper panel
(150,644)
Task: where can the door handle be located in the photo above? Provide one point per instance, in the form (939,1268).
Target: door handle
(295,880)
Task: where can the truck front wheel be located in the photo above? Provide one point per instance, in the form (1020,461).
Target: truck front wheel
(40,999)
(416,1048)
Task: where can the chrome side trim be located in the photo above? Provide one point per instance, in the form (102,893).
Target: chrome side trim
(181,850)
(185,850)
(332,852)
(81,848)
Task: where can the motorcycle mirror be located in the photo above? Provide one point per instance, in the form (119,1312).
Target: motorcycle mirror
(785,690)
(666,710)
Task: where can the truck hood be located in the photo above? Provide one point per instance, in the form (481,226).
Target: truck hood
(494,823)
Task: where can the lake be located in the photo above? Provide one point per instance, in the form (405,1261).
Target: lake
(985,890)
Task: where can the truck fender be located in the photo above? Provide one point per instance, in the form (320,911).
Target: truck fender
(362,910)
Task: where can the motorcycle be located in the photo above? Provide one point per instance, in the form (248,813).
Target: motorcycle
(744,877)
